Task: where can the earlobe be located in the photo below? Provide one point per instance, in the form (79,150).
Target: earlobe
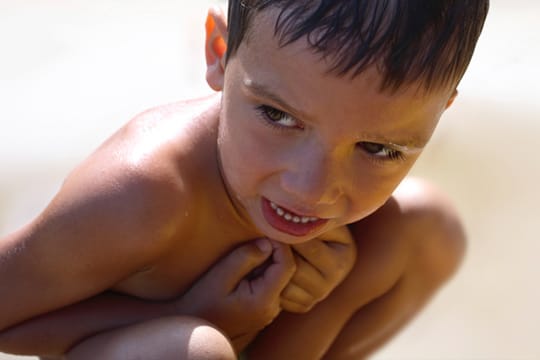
(452,98)
(215,48)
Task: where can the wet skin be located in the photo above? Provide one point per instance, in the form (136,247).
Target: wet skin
(314,144)
(183,185)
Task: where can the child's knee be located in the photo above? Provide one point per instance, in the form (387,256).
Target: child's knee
(434,227)
(165,338)
(208,343)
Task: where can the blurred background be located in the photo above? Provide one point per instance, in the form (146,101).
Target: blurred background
(72,72)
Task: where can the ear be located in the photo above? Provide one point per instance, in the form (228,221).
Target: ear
(452,98)
(215,48)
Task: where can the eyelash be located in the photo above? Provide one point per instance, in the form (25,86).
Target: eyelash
(266,113)
(391,154)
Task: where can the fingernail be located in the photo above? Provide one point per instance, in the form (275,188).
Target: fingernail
(263,245)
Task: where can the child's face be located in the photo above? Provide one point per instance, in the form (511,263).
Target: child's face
(304,151)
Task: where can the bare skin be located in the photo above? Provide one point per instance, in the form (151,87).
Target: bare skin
(156,231)
(385,254)
(159,273)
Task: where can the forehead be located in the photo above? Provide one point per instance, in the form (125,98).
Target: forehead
(301,76)
(262,31)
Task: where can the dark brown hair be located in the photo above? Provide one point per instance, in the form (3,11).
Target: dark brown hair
(431,41)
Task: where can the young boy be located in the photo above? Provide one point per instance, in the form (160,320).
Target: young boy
(274,214)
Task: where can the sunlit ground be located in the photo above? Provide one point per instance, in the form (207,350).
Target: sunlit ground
(71,72)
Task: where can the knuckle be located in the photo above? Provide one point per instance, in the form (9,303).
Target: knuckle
(321,294)
(342,268)
(248,251)
(247,254)
(250,301)
(333,276)
(263,303)
(301,308)
(344,264)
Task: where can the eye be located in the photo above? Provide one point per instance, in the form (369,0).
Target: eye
(278,118)
(380,151)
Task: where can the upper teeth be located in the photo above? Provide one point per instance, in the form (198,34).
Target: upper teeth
(293,218)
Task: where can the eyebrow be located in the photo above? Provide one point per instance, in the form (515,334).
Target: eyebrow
(410,145)
(261,91)
(409,149)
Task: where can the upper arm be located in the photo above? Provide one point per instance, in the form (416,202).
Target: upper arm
(111,218)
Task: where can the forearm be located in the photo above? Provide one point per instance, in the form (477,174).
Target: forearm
(54,333)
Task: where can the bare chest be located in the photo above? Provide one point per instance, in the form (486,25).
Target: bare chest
(194,250)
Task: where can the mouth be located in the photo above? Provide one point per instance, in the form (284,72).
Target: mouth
(292,217)
(289,222)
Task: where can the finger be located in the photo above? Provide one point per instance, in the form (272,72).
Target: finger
(293,307)
(236,265)
(296,300)
(318,254)
(326,255)
(309,278)
(341,241)
(249,297)
(296,294)
(278,274)
(338,238)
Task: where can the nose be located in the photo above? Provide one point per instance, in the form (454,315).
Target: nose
(313,178)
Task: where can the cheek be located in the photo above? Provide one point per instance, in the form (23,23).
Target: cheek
(252,140)
(245,158)
(371,192)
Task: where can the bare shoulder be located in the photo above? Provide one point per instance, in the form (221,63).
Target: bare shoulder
(116,213)
(130,179)
(142,171)
(138,183)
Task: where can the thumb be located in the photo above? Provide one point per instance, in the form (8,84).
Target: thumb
(239,263)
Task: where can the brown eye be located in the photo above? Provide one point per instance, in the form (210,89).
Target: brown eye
(380,151)
(274,114)
(372,148)
(278,118)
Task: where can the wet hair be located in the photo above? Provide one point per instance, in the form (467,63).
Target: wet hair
(431,41)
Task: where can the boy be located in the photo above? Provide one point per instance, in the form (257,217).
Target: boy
(269,215)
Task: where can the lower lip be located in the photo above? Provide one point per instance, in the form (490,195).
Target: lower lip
(288,227)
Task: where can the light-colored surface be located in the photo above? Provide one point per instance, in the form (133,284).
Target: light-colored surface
(71,72)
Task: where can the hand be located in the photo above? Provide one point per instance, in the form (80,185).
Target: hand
(241,293)
(321,264)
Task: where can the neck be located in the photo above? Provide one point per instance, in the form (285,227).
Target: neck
(220,201)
